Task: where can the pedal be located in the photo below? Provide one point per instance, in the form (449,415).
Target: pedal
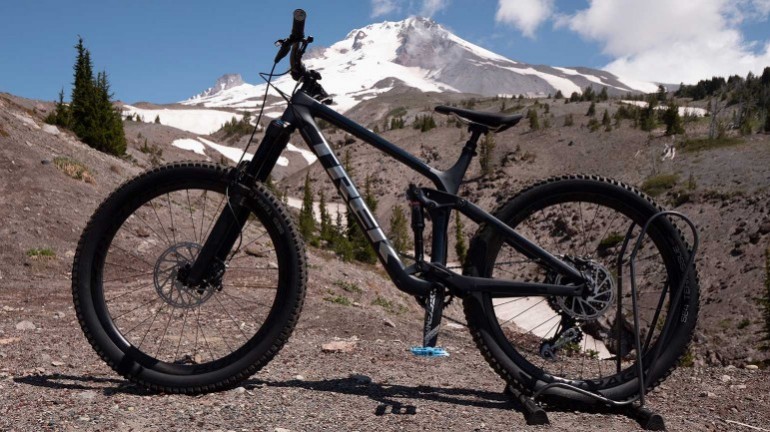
(427,351)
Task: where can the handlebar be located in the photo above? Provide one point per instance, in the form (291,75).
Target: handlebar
(298,27)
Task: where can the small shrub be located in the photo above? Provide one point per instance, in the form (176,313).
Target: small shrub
(744,323)
(389,306)
(569,120)
(74,169)
(658,184)
(687,359)
(41,253)
(348,286)
(338,299)
(693,145)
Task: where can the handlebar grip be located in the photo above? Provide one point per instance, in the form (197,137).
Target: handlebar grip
(298,27)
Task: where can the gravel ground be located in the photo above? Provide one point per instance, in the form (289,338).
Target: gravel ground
(52,380)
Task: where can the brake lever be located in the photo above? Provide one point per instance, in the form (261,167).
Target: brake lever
(285,46)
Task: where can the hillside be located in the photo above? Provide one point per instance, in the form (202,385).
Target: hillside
(51,371)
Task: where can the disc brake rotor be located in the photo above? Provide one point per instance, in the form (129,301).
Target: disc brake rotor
(167,284)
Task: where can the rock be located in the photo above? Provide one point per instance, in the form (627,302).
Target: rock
(751,367)
(388,323)
(25,325)
(740,387)
(338,347)
(299,377)
(45,162)
(58,315)
(361,379)
(57,363)
(240,390)
(280,429)
(764,228)
(725,378)
(51,129)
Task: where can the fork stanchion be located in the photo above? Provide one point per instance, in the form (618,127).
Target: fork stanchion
(648,419)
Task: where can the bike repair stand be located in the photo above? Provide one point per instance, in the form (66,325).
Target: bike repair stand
(534,414)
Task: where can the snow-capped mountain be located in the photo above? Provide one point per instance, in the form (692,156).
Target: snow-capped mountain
(419,53)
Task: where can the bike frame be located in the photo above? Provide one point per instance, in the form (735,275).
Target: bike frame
(417,280)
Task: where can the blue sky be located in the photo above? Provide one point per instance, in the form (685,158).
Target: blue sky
(164,51)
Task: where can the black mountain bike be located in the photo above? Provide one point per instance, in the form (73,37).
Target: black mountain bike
(191,277)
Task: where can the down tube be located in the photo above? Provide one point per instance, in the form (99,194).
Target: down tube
(355,203)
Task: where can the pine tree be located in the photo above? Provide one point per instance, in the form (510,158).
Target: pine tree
(61,115)
(460,247)
(534,123)
(306,219)
(603,95)
(591,109)
(569,120)
(157,119)
(767,122)
(107,133)
(399,234)
(485,156)
(559,95)
(606,121)
(673,120)
(327,230)
(363,251)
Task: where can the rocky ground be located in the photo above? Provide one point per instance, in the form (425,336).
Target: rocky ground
(50,378)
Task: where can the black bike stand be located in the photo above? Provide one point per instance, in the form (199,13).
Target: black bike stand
(534,414)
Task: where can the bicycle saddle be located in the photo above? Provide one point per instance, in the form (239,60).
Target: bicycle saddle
(493,122)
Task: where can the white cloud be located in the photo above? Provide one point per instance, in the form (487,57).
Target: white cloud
(525,15)
(384,7)
(673,41)
(430,7)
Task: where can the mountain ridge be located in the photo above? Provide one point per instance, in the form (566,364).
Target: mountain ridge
(422,54)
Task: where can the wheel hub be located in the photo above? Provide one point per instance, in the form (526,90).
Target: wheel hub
(168,278)
(600,293)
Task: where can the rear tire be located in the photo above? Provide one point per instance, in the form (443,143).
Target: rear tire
(539,214)
(165,336)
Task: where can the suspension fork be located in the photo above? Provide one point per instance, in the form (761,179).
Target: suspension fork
(234,216)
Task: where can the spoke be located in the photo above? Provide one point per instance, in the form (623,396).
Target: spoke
(211,224)
(136,214)
(181,335)
(541,324)
(160,344)
(129,253)
(171,215)
(151,324)
(227,311)
(203,215)
(192,220)
(163,228)
(128,277)
(583,228)
(128,312)
(509,301)
(203,333)
(522,312)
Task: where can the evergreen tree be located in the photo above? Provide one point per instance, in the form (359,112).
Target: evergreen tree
(661,95)
(647,120)
(340,244)
(569,120)
(327,229)
(61,115)
(603,95)
(606,121)
(399,233)
(460,247)
(363,251)
(574,97)
(306,219)
(559,95)
(673,120)
(91,114)
(591,109)
(588,94)
(157,119)
(534,123)
(485,154)
(767,122)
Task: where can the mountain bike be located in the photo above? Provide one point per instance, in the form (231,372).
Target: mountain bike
(191,277)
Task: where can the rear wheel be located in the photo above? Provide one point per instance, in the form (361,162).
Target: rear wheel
(157,331)
(534,341)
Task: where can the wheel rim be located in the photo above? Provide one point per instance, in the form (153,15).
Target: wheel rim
(590,231)
(146,306)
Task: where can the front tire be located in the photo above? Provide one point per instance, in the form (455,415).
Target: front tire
(581,219)
(154,330)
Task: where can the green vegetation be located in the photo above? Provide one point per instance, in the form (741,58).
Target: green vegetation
(155,153)
(700,144)
(461,248)
(306,219)
(90,113)
(558,95)
(744,323)
(395,123)
(399,233)
(673,120)
(236,128)
(74,169)
(606,122)
(41,253)
(348,286)
(485,154)
(687,359)
(534,123)
(657,184)
(591,110)
(569,120)
(397,112)
(424,122)
(389,306)
(338,299)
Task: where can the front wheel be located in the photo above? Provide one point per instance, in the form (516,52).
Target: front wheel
(151,327)
(535,341)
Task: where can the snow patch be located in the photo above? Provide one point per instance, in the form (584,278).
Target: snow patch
(308,155)
(692,111)
(197,121)
(234,153)
(190,144)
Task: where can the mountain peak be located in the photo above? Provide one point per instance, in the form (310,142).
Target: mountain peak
(420,53)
